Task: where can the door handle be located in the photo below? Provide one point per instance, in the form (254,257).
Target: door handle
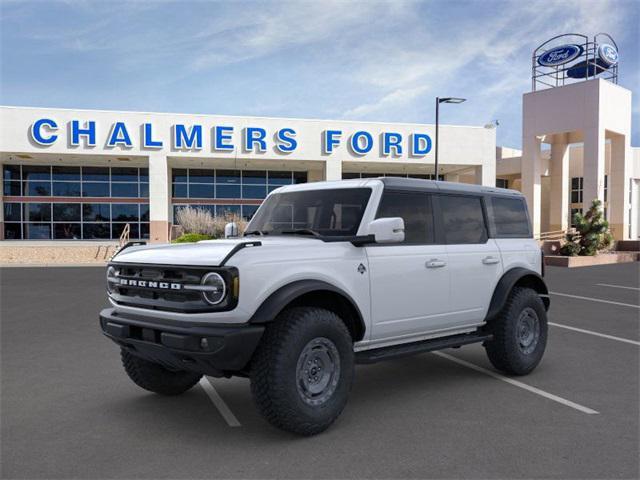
(435,263)
(490,260)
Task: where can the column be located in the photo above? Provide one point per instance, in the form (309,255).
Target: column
(485,175)
(618,188)
(333,169)
(531,172)
(593,166)
(559,204)
(159,198)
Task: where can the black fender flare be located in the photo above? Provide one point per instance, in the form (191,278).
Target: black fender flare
(506,283)
(278,300)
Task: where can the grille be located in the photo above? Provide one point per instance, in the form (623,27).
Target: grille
(157,292)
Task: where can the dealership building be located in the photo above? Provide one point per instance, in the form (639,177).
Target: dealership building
(86,174)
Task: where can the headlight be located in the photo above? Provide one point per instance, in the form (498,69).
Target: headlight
(111,274)
(215,288)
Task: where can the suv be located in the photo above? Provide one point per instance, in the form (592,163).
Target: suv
(328,275)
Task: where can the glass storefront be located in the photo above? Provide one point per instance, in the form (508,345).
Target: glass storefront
(209,188)
(63,213)
(352,175)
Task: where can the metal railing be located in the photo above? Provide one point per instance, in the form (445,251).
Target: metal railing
(554,235)
(124,236)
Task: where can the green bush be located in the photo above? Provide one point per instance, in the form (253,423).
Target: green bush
(591,235)
(192,237)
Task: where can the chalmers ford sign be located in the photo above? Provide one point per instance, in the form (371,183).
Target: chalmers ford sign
(222,138)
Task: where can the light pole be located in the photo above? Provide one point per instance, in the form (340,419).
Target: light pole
(438,102)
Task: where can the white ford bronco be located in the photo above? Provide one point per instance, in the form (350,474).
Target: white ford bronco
(328,275)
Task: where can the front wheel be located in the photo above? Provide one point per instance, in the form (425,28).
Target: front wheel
(156,378)
(519,333)
(301,373)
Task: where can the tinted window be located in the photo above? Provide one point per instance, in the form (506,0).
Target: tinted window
(510,217)
(335,212)
(463,219)
(415,210)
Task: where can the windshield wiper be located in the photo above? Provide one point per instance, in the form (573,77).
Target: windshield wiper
(302,231)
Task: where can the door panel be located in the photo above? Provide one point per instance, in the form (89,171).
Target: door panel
(475,271)
(409,289)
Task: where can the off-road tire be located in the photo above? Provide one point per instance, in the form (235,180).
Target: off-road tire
(156,378)
(275,382)
(505,350)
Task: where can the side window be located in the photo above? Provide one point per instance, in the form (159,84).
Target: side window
(510,217)
(463,219)
(415,209)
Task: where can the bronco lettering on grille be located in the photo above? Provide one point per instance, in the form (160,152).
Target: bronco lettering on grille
(150,284)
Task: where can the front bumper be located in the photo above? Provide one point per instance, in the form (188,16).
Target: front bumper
(215,350)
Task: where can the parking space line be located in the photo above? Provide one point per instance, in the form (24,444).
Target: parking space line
(600,300)
(590,332)
(617,286)
(217,400)
(516,383)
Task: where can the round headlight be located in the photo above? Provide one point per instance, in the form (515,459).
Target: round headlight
(111,274)
(215,288)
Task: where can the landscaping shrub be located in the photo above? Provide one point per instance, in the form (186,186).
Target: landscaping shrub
(192,238)
(200,221)
(591,233)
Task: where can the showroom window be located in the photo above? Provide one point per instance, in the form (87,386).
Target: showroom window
(65,214)
(216,185)
(352,175)
(576,189)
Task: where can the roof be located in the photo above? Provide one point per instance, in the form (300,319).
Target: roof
(443,187)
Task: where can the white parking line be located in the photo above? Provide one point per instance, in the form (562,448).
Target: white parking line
(595,300)
(617,286)
(217,400)
(516,383)
(590,332)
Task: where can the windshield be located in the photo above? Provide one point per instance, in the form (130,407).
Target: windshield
(325,213)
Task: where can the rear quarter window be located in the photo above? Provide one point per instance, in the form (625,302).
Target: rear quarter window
(510,218)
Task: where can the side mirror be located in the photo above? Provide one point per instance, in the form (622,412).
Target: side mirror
(231,230)
(387,230)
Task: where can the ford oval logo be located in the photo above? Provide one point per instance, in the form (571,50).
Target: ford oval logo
(608,54)
(560,55)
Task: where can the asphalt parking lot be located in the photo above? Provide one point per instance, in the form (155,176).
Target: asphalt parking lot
(68,410)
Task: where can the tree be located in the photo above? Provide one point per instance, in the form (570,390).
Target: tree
(591,233)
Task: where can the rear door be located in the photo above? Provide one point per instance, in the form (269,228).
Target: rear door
(475,265)
(409,280)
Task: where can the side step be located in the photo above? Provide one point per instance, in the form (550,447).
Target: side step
(404,350)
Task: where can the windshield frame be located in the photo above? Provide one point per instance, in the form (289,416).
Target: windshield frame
(306,231)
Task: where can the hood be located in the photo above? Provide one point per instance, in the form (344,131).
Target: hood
(208,252)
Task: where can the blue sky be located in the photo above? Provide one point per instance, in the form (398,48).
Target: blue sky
(368,60)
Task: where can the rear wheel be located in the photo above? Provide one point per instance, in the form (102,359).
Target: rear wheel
(156,378)
(301,373)
(519,333)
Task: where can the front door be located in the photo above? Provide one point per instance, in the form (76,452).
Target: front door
(410,280)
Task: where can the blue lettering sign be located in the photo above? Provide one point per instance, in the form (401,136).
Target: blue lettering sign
(286,140)
(608,54)
(391,140)
(331,140)
(359,147)
(255,136)
(119,136)
(186,139)
(37,134)
(89,131)
(420,144)
(222,136)
(147,138)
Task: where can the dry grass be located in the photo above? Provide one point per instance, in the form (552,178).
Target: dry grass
(199,220)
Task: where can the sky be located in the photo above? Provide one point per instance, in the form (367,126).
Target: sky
(351,60)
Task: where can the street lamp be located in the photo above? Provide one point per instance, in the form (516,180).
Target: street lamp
(438,102)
